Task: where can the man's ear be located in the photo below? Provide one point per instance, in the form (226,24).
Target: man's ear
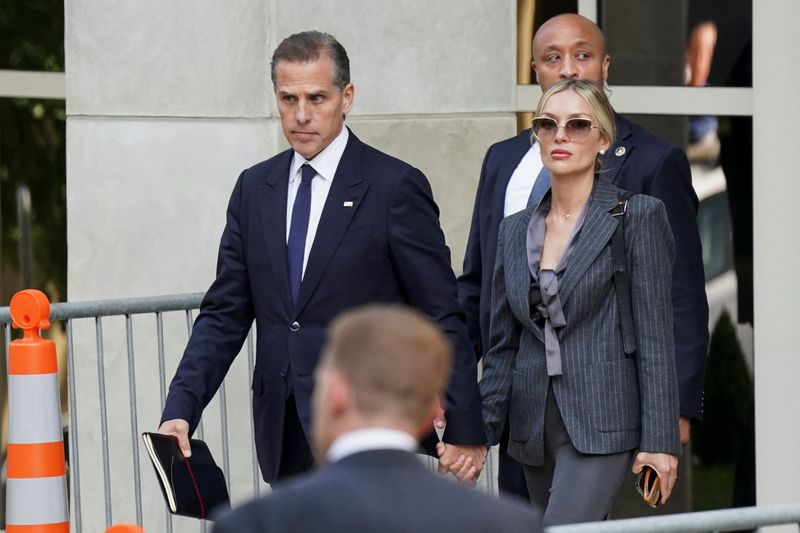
(348,95)
(339,394)
(606,65)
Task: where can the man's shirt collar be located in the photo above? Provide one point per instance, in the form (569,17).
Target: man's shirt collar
(326,162)
(362,440)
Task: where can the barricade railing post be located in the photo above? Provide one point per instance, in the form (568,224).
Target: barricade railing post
(36,490)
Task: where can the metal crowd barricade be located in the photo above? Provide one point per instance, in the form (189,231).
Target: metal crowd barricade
(161,306)
(71,313)
(698,522)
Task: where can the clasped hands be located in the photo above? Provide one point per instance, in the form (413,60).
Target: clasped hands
(464,461)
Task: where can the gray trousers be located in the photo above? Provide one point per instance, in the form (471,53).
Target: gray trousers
(572,487)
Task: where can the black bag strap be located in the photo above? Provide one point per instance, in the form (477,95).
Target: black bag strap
(621,283)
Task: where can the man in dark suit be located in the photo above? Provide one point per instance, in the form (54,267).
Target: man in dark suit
(325,226)
(378,383)
(571,46)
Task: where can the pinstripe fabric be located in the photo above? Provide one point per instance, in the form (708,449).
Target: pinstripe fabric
(609,403)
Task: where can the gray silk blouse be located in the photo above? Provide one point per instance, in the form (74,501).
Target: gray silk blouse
(545,304)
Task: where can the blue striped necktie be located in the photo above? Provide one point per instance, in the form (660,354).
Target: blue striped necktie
(540,187)
(296,245)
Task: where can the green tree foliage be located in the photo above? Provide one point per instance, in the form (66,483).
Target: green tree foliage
(32,35)
(32,145)
(728,396)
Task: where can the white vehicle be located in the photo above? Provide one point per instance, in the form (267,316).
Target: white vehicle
(713,221)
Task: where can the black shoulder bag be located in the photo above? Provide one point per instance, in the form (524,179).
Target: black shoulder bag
(621,283)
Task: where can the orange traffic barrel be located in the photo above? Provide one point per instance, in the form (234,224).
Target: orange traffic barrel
(36,487)
(124,528)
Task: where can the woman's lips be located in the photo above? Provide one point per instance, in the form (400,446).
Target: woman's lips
(560,154)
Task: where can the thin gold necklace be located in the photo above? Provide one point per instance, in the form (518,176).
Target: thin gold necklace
(565,215)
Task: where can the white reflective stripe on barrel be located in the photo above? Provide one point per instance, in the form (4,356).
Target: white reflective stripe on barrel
(35,409)
(39,500)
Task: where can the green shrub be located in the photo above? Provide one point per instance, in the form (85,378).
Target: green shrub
(728,395)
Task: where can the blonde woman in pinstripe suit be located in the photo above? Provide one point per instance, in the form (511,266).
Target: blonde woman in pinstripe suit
(580,410)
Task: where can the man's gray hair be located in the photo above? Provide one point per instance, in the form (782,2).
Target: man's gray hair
(306,46)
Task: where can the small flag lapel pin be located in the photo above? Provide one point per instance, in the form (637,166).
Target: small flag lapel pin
(348,203)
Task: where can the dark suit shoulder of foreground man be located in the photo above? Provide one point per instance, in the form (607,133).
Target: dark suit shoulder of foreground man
(368,417)
(384,491)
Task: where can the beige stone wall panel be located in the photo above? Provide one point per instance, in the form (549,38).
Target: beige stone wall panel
(417,56)
(194,58)
(450,151)
(146,201)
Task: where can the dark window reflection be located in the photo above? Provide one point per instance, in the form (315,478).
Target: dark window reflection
(546,9)
(645,40)
(32,35)
(681,42)
(725,29)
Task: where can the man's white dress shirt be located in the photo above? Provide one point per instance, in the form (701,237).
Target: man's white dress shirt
(325,163)
(521,183)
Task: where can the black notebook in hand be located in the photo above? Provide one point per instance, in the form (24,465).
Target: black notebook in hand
(192,486)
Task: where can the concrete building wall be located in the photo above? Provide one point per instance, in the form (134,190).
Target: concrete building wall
(776,253)
(168,101)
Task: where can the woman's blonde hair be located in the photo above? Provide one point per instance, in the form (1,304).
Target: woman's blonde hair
(597,101)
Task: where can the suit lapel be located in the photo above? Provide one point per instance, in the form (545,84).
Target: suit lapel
(505,168)
(518,272)
(272,204)
(615,157)
(598,226)
(347,187)
(510,161)
(506,162)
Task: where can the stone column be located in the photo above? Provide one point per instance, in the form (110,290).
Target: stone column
(776,112)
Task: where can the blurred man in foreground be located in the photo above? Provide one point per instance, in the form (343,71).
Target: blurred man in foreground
(377,391)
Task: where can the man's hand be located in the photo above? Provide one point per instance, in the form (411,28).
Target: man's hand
(665,464)
(462,460)
(179,428)
(439,421)
(686,430)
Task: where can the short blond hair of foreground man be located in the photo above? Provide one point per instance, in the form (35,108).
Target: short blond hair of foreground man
(382,373)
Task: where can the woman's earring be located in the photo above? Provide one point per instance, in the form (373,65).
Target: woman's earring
(602,152)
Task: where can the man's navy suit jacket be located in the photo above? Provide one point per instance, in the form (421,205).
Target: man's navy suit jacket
(378,240)
(640,163)
(382,490)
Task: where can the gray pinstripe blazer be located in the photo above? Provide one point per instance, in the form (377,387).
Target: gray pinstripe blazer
(609,402)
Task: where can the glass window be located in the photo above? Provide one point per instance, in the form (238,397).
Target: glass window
(693,42)
(720,151)
(697,42)
(32,36)
(715,231)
